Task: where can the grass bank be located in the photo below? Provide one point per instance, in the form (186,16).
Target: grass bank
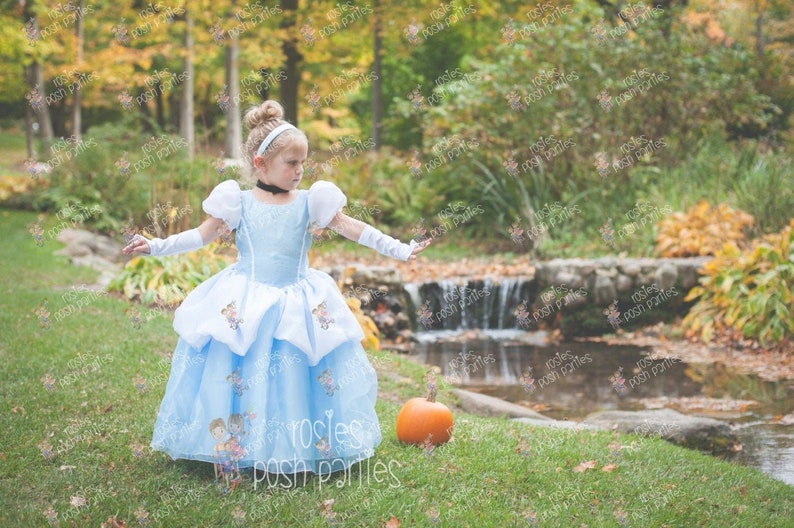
(80,398)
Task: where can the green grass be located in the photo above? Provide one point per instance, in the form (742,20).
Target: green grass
(13,151)
(494,472)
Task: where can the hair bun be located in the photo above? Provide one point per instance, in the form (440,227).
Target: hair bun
(267,111)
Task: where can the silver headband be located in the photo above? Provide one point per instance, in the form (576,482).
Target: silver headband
(270,137)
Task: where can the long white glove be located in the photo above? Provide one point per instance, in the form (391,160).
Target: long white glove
(179,243)
(384,244)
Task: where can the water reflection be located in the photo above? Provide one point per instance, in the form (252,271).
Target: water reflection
(575,379)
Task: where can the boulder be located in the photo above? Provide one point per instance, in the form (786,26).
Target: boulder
(484,405)
(695,432)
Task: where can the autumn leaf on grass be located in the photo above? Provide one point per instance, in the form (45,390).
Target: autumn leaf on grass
(77,501)
(392,523)
(609,467)
(584,466)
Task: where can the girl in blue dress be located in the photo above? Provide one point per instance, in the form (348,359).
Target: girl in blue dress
(263,344)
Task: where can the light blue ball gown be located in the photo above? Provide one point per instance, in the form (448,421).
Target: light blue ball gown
(269,371)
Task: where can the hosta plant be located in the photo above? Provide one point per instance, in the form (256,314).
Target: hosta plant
(747,294)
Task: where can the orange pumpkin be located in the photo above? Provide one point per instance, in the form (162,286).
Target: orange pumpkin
(423,420)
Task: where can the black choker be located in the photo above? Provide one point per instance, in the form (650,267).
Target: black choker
(270,188)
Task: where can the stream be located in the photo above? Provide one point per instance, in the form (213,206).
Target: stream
(573,379)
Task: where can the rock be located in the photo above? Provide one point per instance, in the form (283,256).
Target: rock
(377,275)
(695,432)
(604,289)
(623,283)
(485,405)
(665,276)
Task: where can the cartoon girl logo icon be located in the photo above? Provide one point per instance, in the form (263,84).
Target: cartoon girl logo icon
(230,312)
(411,32)
(599,31)
(618,381)
(605,100)
(308,33)
(415,165)
(123,166)
(613,315)
(31,31)
(511,166)
(428,446)
(327,382)
(45,448)
(48,381)
(320,312)
(35,99)
(515,232)
(217,31)
(508,32)
(120,32)
(223,99)
(313,98)
(416,98)
(607,233)
(237,382)
(527,380)
(34,168)
(419,231)
(310,168)
(125,99)
(42,311)
(514,100)
(522,314)
(324,448)
(219,164)
(601,164)
(139,382)
(225,238)
(425,315)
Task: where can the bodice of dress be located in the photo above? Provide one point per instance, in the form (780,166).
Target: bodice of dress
(273,240)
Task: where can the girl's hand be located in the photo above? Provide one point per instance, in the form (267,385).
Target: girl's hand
(138,245)
(420,246)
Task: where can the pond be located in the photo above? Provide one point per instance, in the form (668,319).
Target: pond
(571,380)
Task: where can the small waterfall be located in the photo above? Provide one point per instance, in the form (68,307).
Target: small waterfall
(462,304)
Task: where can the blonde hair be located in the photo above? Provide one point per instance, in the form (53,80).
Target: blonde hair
(260,121)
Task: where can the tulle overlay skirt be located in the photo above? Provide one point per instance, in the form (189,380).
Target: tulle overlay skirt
(274,406)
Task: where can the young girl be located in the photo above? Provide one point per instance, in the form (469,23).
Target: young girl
(268,337)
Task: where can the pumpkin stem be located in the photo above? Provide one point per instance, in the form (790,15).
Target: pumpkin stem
(431,386)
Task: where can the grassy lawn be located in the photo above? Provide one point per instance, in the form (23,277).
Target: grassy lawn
(76,453)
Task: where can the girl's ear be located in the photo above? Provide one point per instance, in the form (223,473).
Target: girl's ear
(260,162)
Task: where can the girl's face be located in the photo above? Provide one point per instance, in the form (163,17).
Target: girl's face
(285,168)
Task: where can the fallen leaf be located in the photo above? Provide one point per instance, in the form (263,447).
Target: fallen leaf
(392,523)
(609,467)
(77,501)
(584,466)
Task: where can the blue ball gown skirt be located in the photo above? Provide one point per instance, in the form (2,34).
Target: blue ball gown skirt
(269,371)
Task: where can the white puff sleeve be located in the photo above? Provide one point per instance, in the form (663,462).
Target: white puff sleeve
(224,202)
(325,200)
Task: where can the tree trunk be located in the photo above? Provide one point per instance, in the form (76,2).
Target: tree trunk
(29,132)
(186,125)
(234,135)
(77,115)
(36,81)
(759,35)
(289,85)
(377,84)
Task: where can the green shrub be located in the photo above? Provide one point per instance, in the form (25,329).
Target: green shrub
(747,294)
(167,280)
